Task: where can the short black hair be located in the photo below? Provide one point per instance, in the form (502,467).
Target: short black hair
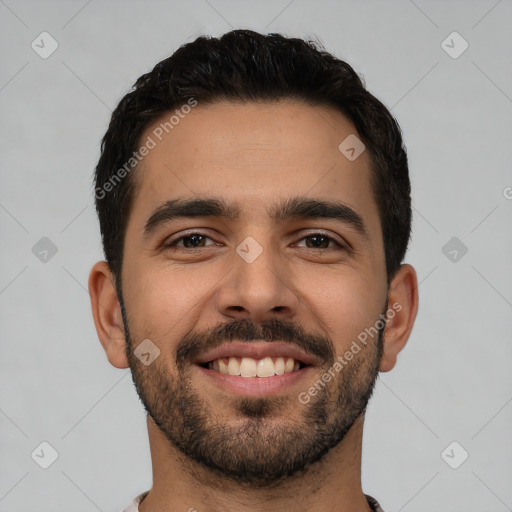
(245,66)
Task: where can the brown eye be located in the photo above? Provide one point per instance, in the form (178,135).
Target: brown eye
(320,241)
(190,241)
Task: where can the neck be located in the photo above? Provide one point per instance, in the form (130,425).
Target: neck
(179,484)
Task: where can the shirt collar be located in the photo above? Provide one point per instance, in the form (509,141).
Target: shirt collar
(134,506)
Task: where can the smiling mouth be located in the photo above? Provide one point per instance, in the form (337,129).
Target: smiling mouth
(249,367)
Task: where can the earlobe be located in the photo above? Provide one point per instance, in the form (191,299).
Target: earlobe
(106,312)
(402,310)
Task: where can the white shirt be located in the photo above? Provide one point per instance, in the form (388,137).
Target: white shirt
(134,505)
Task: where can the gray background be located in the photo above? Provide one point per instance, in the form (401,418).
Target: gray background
(453,380)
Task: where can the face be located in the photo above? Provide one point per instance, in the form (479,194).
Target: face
(253,260)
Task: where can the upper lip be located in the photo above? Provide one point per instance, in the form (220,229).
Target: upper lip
(255,350)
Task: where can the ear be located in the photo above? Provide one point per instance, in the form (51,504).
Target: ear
(106,311)
(402,309)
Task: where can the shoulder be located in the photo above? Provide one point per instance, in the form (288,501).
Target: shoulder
(134,505)
(374,504)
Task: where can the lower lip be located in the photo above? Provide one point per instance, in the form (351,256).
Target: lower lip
(255,386)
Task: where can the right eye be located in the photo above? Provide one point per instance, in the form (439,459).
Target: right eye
(190,241)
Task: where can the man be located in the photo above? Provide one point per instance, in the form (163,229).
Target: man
(254,204)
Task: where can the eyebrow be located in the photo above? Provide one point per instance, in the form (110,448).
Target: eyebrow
(294,208)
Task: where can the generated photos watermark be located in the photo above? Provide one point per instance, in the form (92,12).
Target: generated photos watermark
(355,348)
(151,142)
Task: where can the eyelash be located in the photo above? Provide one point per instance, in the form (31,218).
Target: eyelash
(173,243)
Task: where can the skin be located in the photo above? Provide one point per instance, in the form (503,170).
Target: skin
(254,155)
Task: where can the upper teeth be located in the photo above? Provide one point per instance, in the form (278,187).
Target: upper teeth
(249,367)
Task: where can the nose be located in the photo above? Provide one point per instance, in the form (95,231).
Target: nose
(258,290)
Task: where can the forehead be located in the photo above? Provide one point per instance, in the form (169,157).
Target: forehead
(252,154)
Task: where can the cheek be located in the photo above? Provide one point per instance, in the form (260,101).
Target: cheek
(165,302)
(345,304)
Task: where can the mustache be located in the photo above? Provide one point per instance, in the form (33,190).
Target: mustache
(246,331)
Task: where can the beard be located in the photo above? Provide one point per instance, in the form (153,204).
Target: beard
(264,446)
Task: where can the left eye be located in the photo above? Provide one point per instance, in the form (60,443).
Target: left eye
(320,241)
